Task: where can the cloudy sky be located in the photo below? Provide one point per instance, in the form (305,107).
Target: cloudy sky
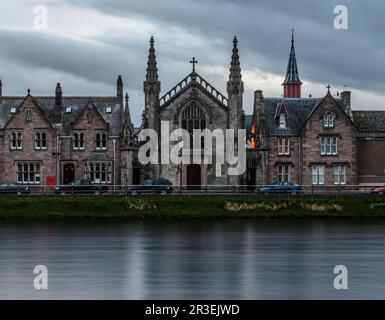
(89,42)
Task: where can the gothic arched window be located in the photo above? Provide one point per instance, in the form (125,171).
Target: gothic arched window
(193,116)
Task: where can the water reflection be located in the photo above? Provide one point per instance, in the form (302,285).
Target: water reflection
(193,259)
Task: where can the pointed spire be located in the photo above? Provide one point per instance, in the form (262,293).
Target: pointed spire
(152,70)
(235,83)
(292,83)
(292,75)
(1,89)
(127,116)
(235,66)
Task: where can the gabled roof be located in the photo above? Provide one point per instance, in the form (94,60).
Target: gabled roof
(77,104)
(297,112)
(193,80)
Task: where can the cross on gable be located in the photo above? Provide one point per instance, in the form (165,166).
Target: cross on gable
(193,61)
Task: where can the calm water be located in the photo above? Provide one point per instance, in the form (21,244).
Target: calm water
(193,259)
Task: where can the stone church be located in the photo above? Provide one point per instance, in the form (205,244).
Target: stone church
(193,103)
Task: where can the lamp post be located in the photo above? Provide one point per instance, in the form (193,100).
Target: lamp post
(181,166)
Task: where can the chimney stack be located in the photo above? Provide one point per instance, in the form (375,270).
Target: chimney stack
(119,90)
(58,104)
(345,96)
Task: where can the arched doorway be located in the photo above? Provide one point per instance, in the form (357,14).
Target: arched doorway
(193,176)
(68,173)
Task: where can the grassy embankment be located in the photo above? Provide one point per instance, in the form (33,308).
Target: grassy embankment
(192,207)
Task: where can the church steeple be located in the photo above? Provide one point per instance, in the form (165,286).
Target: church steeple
(152,70)
(151,88)
(292,83)
(235,100)
(235,84)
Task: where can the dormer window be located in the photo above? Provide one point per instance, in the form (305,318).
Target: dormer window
(329,120)
(68,110)
(108,110)
(282,121)
(13,110)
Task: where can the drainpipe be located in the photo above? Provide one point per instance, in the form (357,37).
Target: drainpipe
(58,159)
(114,141)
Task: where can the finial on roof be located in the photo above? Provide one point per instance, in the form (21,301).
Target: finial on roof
(29,91)
(193,62)
(292,38)
(310,96)
(126,97)
(328,87)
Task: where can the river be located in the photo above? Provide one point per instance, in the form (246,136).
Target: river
(192,259)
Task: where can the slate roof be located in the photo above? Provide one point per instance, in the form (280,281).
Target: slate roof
(76,104)
(297,110)
(369,121)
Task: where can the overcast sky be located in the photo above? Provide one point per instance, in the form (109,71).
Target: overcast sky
(89,42)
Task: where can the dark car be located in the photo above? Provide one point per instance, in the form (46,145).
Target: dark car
(12,188)
(152,186)
(281,187)
(80,186)
(379,190)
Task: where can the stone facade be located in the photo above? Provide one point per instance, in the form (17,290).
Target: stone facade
(309,141)
(54,140)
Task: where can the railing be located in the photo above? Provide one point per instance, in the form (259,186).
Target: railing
(102,190)
(191,79)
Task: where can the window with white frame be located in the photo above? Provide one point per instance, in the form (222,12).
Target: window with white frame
(99,172)
(101,141)
(41,140)
(318,174)
(339,174)
(28,172)
(283,173)
(328,145)
(78,141)
(16,140)
(283,146)
(28,114)
(282,121)
(329,120)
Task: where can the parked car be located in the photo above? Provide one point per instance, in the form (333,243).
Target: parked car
(12,188)
(281,187)
(152,186)
(80,186)
(379,190)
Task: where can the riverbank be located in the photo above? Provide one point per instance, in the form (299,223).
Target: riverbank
(167,207)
